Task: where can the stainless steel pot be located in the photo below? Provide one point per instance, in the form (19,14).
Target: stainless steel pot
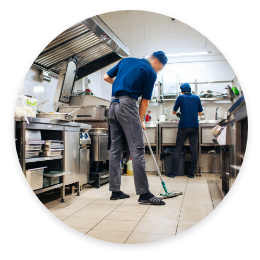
(98,149)
(86,113)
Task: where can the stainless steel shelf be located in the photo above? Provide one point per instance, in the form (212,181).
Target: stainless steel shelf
(48,188)
(40,159)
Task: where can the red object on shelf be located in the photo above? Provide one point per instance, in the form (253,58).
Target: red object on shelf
(147,118)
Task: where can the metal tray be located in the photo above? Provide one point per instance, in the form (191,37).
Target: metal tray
(48,142)
(33,147)
(51,152)
(53,146)
(31,154)
(34,142)
(56,116)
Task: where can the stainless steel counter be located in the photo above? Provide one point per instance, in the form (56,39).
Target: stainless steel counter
(51,122)
(68,132)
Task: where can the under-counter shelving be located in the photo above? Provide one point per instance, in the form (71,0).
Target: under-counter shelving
(40,159)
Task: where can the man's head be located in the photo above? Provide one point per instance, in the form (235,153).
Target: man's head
(185,88)
(158,60)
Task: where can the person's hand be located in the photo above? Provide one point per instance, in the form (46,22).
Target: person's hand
(143,125)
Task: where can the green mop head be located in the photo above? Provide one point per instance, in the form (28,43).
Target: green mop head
(170,195)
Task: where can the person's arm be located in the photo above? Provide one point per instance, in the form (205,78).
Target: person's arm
(142,109)
(200,109)
(108,79)
(176,106)
(109,76)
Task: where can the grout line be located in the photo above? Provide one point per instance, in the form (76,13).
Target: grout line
(210,192)
(137,224)
(181,205)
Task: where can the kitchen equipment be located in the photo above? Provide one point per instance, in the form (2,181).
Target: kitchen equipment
(35,177)
(53,146)
(33,135)
(86,113)
(206,94)
(84,156)
(26,106)
(49,142)
(41,104)
(167,194)
(162,118)
(31,154)
(99,138)
(228,93)
(99,155)
(51,152)
(56,116)
(34,147)
(91,41)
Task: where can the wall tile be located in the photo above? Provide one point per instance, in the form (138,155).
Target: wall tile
(173,28)
(142,48)
(125,33)
(184,44)
(163,19)
(173,45)
(194,42)
(183,29)
(163,30)
(134,32)
(141,32)
(134,18)
(153,31)
(193,32)
(164,45)
(146,31)
(153,18)
(115,22)
(125,20)
(146,17)
(134,48)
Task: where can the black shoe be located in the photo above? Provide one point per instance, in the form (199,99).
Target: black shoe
(171,176)
(118,195)
(191,176)
(150,199)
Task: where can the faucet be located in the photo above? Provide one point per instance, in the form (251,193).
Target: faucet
(216,116)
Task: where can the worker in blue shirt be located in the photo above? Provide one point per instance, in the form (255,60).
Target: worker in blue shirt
(134,78)
(190,109)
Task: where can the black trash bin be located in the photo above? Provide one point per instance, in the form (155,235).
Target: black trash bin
(167,156)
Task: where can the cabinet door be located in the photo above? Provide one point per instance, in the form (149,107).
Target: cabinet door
(71,157)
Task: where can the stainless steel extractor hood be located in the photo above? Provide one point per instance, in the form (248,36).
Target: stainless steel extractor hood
(91,41)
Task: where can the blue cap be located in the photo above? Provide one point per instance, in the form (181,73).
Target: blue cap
(160,55)
(185,87)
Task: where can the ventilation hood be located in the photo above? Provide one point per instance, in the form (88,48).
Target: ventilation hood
(94,45)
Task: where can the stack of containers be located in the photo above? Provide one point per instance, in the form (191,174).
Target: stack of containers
(26,106)
(52,148)
(33,143)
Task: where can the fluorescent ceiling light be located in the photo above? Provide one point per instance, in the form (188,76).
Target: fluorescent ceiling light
(186,54)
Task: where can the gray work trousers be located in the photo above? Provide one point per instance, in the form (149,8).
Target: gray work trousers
(124,123)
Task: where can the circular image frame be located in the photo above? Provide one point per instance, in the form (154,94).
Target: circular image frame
(131,248)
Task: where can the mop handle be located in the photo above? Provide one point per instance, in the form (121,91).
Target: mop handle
(151,151)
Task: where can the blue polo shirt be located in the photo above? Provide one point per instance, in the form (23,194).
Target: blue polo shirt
(190,106)
(134,78)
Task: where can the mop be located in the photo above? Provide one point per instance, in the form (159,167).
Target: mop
(167,194)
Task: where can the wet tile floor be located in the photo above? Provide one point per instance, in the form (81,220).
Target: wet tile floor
(126,221)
